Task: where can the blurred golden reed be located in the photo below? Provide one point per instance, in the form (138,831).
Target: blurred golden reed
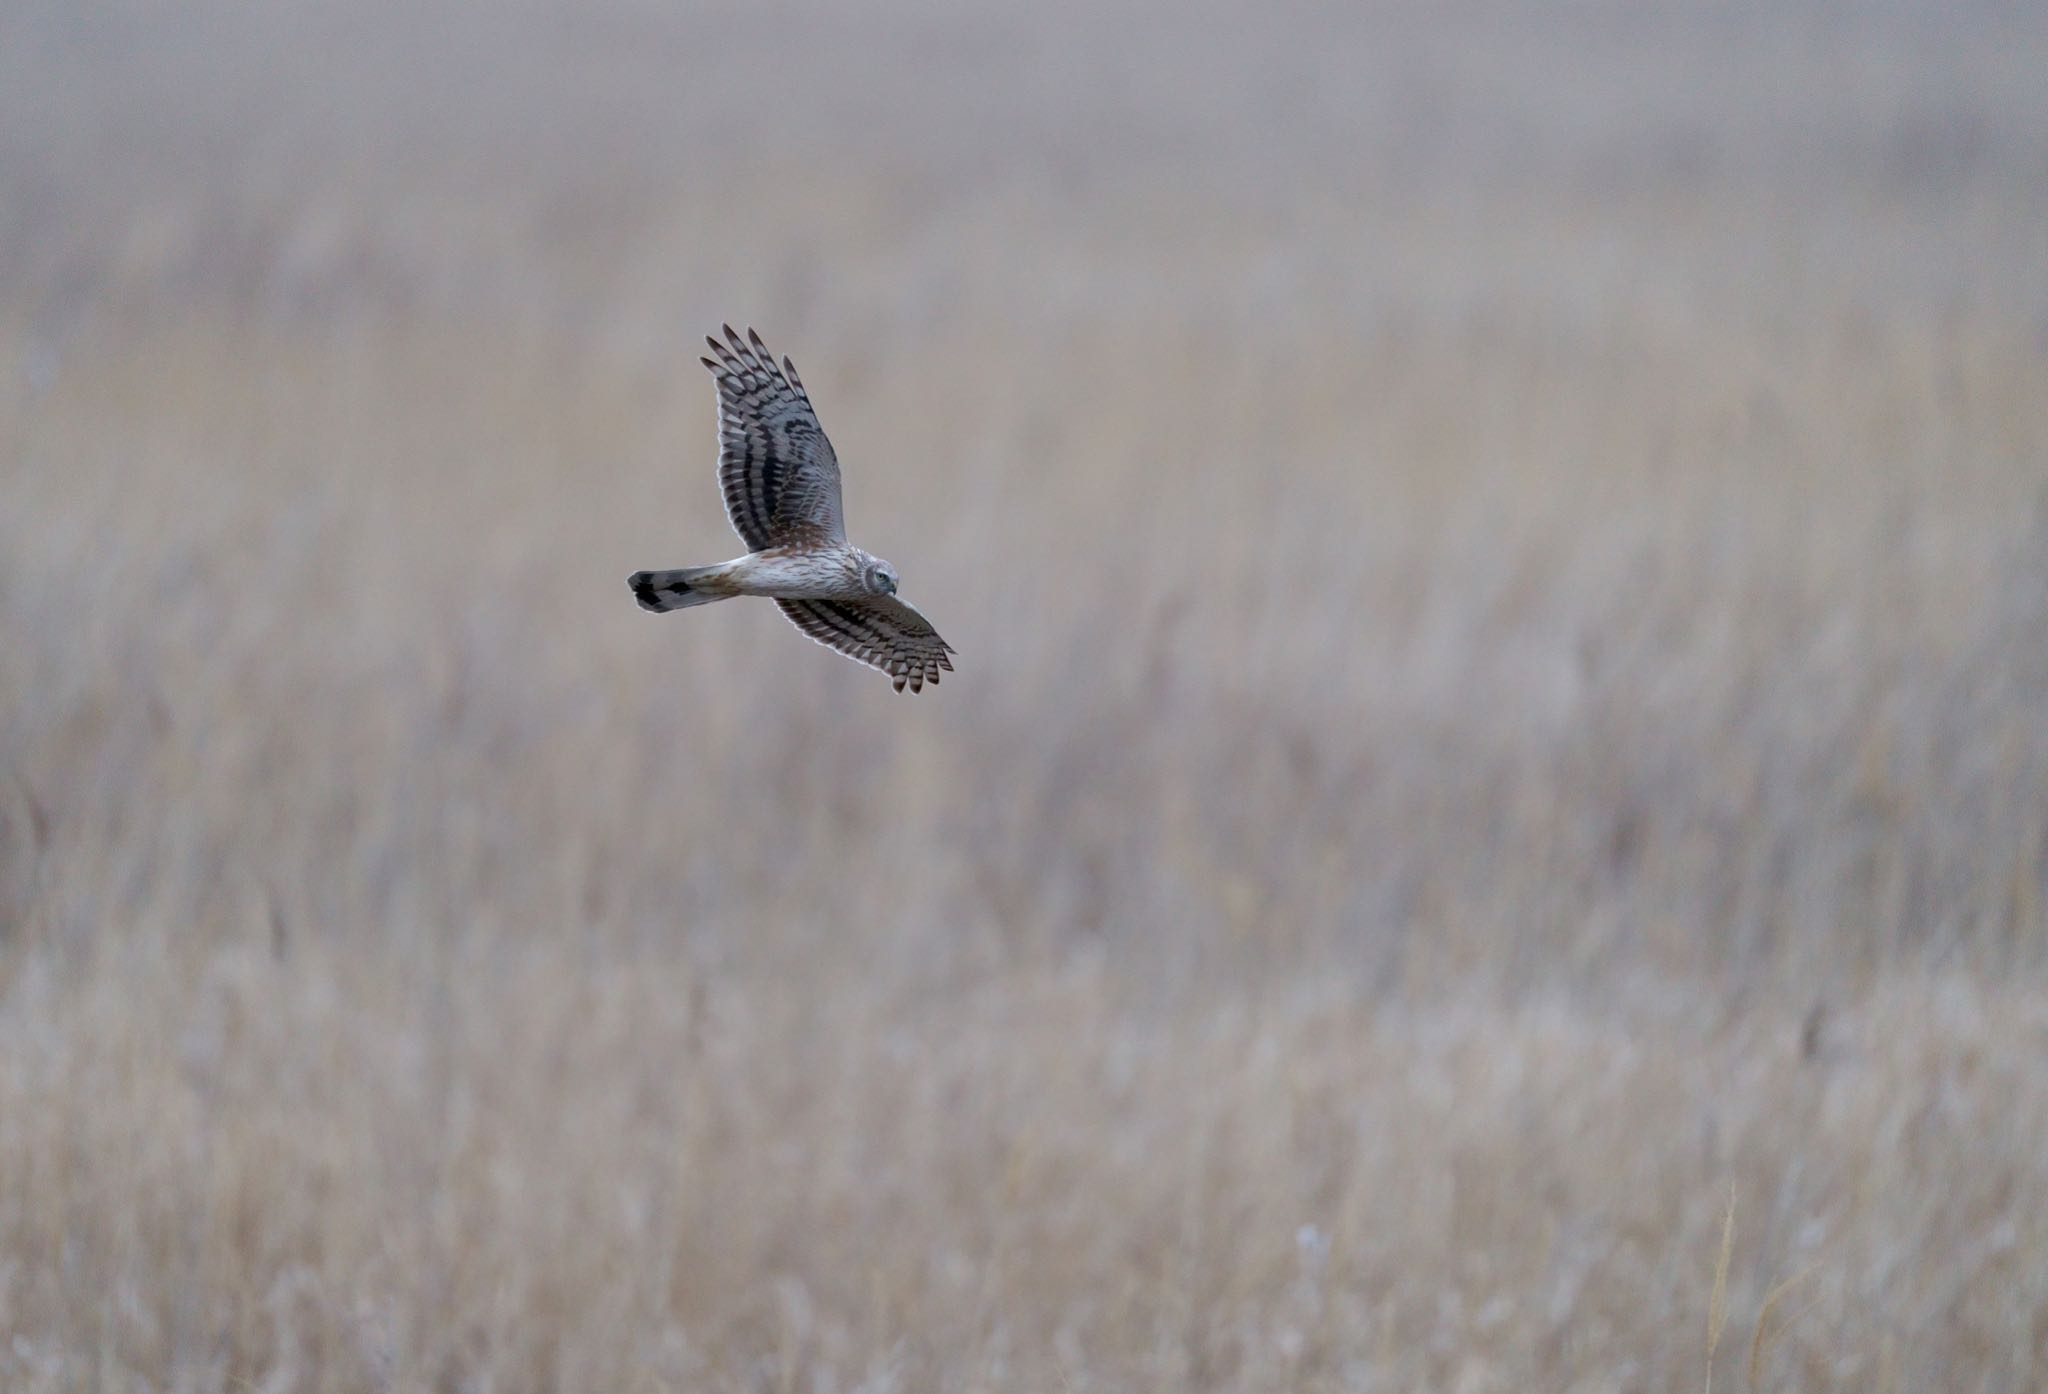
(1500,560)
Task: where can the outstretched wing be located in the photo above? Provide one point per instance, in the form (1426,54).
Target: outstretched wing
(775,467)
(881,632)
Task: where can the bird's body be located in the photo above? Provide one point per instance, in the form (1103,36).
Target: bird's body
(780,479)
(795,573)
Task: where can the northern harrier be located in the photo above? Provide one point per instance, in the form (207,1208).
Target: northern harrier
(781,485)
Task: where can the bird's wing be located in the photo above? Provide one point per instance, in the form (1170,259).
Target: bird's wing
(775,467)
(880,631)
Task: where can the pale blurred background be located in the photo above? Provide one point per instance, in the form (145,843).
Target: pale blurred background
(1499,553)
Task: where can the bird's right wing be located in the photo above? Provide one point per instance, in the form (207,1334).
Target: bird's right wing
(881,632)
(775,467)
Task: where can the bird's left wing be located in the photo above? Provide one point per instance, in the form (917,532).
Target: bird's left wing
(880,631)
(775,467)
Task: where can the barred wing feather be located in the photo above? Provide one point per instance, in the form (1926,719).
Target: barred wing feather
(775,467)
(881,632)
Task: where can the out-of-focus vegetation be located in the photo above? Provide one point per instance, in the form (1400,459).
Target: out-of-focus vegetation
(1500,559)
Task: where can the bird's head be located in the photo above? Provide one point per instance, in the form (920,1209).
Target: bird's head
(880,577)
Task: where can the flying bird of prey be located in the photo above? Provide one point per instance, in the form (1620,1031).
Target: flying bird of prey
(781,485)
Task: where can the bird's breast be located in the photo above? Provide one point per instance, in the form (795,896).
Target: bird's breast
(801,574)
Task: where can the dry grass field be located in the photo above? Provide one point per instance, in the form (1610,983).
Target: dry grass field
(1499,553)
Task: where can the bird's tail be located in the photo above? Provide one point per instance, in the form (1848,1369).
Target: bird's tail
(675,590)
